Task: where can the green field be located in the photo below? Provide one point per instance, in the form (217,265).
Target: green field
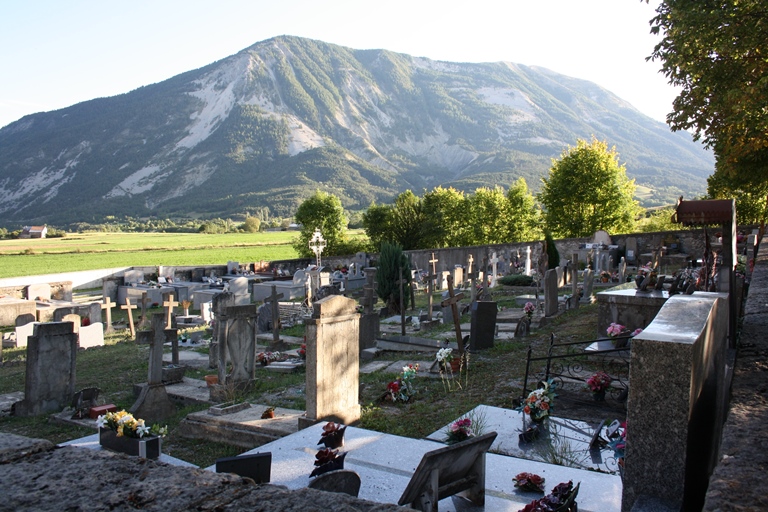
(88,251)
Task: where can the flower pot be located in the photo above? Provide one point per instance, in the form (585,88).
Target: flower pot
(147,446)
(456,365)
(211,380)
(598,396)
(530,434)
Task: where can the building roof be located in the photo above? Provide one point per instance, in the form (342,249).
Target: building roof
(705,212)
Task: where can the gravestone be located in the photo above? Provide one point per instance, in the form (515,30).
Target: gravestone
(50,370)
(276,345)
(523,327)
(528,260)
(341,480)
(41,292)
(91,335)
(75,319)
(623,270)
(153,403)
(483,327)
(575,280)
(370,322)
(240,335)
(144,321)
(494,269)
(589,282)
(221,302)
(631,249)
(239,286)
(433,263)
(550,293)
(332,363)
(133,276)
(107,306)
(264,320)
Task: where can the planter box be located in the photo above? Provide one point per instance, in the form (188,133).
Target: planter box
(228,408)
(173,374)
(147,447)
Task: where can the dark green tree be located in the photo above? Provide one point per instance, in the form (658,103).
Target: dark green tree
(321,211)
(524,216)
(408,225)
(553,255)
(376,224)
(751,197)
(716,51)
(391,260)
(588,190)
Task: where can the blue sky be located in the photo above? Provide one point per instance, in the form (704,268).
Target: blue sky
(54,54)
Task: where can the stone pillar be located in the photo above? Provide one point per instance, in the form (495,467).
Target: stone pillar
(50,376)
(370,321)
(333,362)
(575,280)
(677,402)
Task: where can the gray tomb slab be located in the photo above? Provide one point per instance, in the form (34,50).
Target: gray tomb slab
(50,371)
(483,327)
(550,293)
(589,282)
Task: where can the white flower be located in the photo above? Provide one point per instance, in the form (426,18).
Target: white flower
(444,354)
(101,421)
(142,429)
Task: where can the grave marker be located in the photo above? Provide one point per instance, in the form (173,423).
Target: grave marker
(550,293)
(472,275)
(50,370)
(153,403)
(128,307)
(528,260)
(240,335)
(273,299)
(143,320)
(369,320)
(221,302)
(575,280)
(169,304)
(589,281)
(494,263)
(433,262)
(107,306)
(452,302)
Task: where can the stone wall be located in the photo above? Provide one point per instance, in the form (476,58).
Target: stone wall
(737,483)
(38,477)
(59,291)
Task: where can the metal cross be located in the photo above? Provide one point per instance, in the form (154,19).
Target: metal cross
(317,244)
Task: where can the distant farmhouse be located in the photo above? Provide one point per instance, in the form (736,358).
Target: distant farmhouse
(34,232)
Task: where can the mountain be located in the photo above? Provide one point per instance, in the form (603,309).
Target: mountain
(269,125)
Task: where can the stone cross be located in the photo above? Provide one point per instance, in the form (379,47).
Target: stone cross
(156,338)
(472,275)
(430,290)
(144,321)
(169,304)
(494,262)
(128,307)
(434,261)
(317,244)
(273,299)
(452,301)
(107,306)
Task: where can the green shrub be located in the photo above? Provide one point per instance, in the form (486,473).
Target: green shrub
(516,280)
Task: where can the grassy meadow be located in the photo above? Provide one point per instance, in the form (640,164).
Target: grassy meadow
(88,251)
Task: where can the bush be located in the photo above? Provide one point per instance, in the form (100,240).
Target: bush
(517,280)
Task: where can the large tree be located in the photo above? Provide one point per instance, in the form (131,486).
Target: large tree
(588,190)
(717,52)
(321,211)
(489,216)
(524,216)
(447,210)
(751,207)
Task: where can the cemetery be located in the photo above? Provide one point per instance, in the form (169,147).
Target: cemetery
(440,404)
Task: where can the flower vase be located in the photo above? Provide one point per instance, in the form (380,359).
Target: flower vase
(147,447)
(186,311)
(598,396)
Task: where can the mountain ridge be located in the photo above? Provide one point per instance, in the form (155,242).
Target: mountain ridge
(267,126)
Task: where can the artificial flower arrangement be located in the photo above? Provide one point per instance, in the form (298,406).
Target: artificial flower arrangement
(444,357)
(302,351)
(327,460)
(614,330)
(599,382)
(459,430)
(529,482)
(539,402)
(267,357)
(402,388)
(647,271)
(333,435)
(619,443)
(126,425)
(562,499)
(529,309)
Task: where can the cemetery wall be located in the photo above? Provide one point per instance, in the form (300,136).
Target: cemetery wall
(737,482)
(59,291)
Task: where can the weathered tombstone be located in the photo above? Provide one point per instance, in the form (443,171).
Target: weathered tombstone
(221,302)
(107,306)
(25,319)
(273,299)
(341,480)
(589,281)
(483,327)
(50,371)
(153,403)
(623,270)
(129,309)
(264,320)
(369,320)
(40,291)
(631,249)
(332,364)
(169,304)
(60,313)
(550,293)
(75,319)
(448,471)
(240,335)
(523,327)
(494,262)
(452,302)
(144,321)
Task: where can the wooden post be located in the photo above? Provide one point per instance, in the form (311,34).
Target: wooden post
(129,307)
(452,301)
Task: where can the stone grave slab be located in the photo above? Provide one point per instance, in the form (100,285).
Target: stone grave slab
(567,438)
(374,366)
(92,443)
(412,343)
(386,464)
(245,428)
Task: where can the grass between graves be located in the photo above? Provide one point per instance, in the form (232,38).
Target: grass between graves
(494,378)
